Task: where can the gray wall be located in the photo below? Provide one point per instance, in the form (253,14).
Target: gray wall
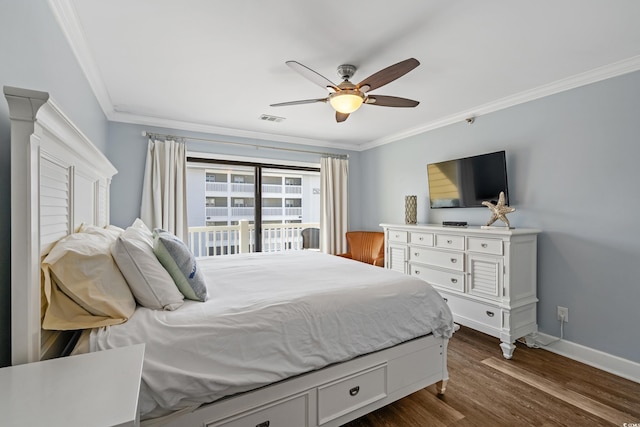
(35,55)
(573,163)
(128,148)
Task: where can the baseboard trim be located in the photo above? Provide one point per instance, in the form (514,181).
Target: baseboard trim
(598,359)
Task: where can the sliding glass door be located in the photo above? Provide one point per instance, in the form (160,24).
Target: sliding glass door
(237,207)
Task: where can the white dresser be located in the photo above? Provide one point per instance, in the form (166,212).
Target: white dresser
(487,276)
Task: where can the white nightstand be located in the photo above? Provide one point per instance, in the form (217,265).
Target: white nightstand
(96,389)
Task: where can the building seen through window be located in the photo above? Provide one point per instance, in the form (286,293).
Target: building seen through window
(223,212)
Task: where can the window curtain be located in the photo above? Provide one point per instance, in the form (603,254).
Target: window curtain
(164,192)
(333,204)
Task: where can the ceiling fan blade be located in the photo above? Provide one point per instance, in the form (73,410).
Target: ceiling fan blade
(390,101)
(388,74)
(304,101)
(313,76)
(341,117)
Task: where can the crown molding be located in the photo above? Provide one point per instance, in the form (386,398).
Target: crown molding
(615,69)
(68,21)
(137,119)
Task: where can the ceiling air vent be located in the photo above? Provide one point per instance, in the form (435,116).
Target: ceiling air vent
(269,118)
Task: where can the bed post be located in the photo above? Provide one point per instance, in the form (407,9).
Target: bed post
(441,386)
(25,223)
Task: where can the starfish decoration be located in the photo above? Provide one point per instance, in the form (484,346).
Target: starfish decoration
(499,211)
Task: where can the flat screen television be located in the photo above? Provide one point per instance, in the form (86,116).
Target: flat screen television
(467,182)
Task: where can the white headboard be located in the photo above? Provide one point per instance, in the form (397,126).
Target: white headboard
(59,180)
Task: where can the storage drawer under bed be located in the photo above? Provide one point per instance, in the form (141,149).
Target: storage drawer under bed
(289,412)
(348,394)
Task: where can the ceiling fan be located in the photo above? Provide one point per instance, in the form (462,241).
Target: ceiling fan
(346,97)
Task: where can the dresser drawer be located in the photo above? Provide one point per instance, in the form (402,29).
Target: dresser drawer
(485,246)
(290,412)
(445,259)
(347,394)
(398,236)
(447,241)
(447,279)
(425,239)
(473,313)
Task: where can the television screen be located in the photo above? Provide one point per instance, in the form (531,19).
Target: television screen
(467,182)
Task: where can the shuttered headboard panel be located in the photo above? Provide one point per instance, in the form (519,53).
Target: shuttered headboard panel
(59,180)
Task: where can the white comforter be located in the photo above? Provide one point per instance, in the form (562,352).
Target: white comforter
(272,316)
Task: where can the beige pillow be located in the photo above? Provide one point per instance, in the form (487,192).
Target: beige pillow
(150,283)
(83,285)
(110,230)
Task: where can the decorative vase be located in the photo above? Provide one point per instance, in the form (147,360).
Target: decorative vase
(410,209)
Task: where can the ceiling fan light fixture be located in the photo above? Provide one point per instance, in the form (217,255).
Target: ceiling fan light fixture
(346,101)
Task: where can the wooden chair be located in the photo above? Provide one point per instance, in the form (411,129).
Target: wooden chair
(365,246)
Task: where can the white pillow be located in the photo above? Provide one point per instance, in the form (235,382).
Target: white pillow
(139,224)
(150,283)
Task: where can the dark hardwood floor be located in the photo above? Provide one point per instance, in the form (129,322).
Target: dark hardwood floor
(535,388)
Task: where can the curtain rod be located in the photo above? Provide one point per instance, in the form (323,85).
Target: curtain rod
(154,135)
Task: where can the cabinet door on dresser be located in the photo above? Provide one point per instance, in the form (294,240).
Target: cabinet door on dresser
(486,276)
(397,257)
(396,250)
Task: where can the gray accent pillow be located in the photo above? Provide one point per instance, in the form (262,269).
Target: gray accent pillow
(177,259)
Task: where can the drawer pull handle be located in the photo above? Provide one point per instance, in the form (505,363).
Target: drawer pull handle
(445,300)
(354,390)
(421,238)
(264,424)
(397,236)
(454,280)
(449,242)
(484,245)
(490,313)
(416,271)
(454,260)
(416,254)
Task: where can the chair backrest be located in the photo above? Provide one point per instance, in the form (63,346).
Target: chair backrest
(310,238)
(366,246)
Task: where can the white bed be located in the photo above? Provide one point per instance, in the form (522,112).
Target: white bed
(59,180)
(297,312)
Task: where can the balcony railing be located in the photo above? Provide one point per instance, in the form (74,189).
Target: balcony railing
(233,239)
(293,211)
(237,187)
(272,211)
(293,189)
(223,187)
(224,212)
(217,211)
(271,188)
(243,211)
(217,186)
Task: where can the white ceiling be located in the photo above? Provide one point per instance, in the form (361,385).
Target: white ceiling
(215,66)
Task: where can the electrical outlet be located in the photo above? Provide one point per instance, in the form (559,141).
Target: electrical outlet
(563,314)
